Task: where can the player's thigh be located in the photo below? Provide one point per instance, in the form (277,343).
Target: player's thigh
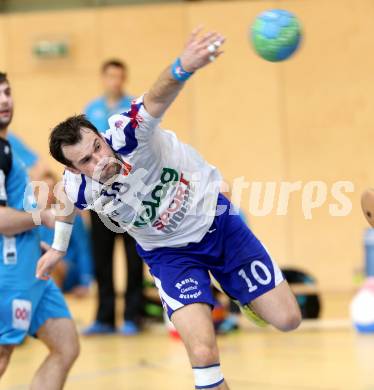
(195,326)
(181,284)
(187,298)
(248,278)
(269,296)
(247,270)
(257,280)
(279,307)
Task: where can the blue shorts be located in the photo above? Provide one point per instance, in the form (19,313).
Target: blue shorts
(229,251)
(22,313)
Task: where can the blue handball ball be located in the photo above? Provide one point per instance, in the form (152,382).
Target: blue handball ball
(275,35)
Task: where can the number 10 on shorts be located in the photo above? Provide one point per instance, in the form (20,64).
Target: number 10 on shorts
(264,279)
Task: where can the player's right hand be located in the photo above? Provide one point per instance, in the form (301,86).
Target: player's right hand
(48,261)
(48,218)
(201,50)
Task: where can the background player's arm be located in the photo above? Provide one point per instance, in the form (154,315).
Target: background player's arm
(195,56)
(13,221)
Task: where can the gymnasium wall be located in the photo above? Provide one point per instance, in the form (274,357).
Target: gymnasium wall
(308,119)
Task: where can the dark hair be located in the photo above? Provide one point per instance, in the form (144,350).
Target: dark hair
(66,133)
(3,78)
(115,63)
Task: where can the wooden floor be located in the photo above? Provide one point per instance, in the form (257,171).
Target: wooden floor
(323,355)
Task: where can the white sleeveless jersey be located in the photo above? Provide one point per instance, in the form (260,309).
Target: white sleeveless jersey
(166,193)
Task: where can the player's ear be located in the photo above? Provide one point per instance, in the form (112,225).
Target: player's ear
(72,169)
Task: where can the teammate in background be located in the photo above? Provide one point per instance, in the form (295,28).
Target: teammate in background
(73,274)
(35,167)
(115,100)
(27,305)
(167,196)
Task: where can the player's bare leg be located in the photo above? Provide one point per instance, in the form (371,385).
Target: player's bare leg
(198,336)
(61,338)
(279,308)
(5,354)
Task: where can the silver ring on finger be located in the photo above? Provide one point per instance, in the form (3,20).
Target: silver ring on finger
(212,58)
(211,48)
(217,44)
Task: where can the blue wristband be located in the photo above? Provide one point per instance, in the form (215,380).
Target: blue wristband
(178,72)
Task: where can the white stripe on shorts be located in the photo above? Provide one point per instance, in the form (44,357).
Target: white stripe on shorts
(278,276)
(171,302)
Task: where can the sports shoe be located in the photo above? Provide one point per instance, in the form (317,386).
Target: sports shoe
(129,328)
(228,325)
(248,312)
(98,328)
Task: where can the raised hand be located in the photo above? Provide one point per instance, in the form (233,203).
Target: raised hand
(200,50)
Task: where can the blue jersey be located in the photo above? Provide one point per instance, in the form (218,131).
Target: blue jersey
(20,253)
(28,157)
(98,111)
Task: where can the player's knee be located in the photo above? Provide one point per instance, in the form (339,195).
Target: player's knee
(72,352)
(75,351)
(204,355)
(67,352)
(290,320)
(69,356)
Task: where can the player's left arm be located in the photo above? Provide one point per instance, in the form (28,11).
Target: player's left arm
(198,52)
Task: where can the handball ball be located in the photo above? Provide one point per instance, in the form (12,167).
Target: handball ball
(275,34)
(362,308)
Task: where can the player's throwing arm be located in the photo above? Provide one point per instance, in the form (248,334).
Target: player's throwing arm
(200,50)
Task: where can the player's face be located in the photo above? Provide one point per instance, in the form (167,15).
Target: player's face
(6,105)
(93,157)
(113,80)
